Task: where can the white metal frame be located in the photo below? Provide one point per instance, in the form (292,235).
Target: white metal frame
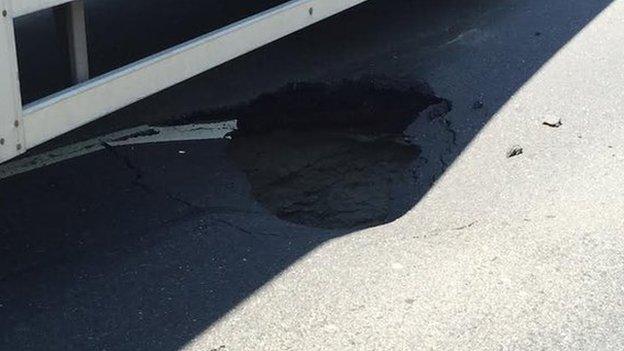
(74,23)
(12,141)
(42,120)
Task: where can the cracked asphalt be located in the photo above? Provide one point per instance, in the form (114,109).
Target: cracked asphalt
(142,247)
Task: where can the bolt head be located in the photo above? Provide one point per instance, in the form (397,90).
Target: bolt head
(1,141)
(19,147)
(16,123)
(4,13)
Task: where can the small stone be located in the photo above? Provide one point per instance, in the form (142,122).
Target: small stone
(552,122)
(477,105)
(515,151)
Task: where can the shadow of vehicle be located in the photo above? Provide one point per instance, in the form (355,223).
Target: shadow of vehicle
(147,246)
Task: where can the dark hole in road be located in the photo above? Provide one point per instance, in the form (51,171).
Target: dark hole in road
(335,155)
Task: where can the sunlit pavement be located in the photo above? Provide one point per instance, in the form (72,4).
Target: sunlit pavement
(162,247)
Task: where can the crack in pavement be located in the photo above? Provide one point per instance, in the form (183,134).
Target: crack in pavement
(139,174)
(465,226)
(194,209)
(243,230)
(449,128)
(437,232)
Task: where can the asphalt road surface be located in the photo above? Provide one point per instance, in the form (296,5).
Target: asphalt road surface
(178,245)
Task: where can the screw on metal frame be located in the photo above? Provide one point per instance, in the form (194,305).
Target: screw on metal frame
(4,13)
(311,11)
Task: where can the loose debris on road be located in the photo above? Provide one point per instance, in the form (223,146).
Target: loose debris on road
(477,105)
(515,150)
(553,122)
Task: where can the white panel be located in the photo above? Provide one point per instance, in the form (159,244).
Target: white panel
(11,126)
(72,108)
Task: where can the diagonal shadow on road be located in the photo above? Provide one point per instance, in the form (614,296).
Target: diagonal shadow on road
(146,247)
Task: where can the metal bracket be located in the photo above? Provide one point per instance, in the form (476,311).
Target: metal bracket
(12,137)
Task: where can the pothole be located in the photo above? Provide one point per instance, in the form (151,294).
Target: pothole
(333,155)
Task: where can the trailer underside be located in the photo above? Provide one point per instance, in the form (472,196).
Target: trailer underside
(25,126)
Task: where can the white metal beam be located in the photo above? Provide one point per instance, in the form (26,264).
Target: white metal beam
(73,22)
(11,125)
(74,107)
